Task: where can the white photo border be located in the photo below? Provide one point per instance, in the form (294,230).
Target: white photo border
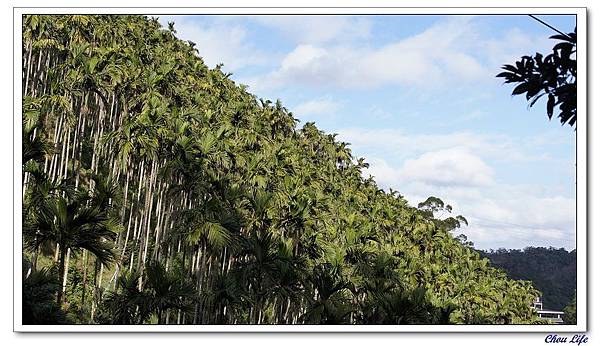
(581,167)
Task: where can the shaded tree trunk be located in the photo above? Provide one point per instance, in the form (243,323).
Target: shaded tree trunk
(61,273)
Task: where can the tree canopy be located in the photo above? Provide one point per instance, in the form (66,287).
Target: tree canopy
(191,201)
(553,76)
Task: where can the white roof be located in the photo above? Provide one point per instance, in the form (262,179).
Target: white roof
(549,312)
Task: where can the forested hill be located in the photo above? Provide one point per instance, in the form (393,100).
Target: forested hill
(552,271)
(157,190)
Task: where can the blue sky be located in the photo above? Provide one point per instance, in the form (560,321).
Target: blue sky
(417,97)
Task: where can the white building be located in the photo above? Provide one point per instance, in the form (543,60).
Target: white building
(555,317)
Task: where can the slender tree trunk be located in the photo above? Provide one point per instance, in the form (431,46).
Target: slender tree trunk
(66,273)
(85,264)
(160,316)
(34,260)
(97,283)
(61,274)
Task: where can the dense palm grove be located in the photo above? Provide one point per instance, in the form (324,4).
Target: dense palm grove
(156,190)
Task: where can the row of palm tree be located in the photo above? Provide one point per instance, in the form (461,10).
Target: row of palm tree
(159,191)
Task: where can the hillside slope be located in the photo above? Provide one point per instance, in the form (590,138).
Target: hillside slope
(172,195)
(552,271)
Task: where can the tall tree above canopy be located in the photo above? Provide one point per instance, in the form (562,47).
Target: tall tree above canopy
(554,76)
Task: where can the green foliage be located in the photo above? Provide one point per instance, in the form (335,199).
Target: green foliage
(39,305)
(570,316)
(162,291)
(127,304)
(214,206)
(554,76)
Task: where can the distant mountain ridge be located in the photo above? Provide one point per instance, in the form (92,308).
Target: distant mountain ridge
(553,271)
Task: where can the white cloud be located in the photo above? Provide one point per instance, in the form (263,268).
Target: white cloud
(472,115)
(321,106)
(377,112)
(318,29)
(219,41)
(453,170)
(429,59)
(514,44)
(385,175)
(448,167)
(454,167)
(499,215)
(399,144)
(518,205)
(335,52)
(302,57)
(502,220)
